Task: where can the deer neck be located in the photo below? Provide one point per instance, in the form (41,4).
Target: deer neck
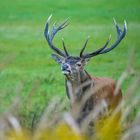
(77,86)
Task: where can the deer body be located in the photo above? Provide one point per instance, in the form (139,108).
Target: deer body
(101,88)
(79,84)
(97,88)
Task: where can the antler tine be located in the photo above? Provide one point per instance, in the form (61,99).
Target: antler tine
(117,27)
(125,28)
(66,52)
(50,36)
(64,24)
(46,33)
(85,44)
(60,27)
(97,51)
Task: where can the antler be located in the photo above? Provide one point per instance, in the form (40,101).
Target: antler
(49,36)
(121,34)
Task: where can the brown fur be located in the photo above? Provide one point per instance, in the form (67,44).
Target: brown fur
(106,91)
(100,89)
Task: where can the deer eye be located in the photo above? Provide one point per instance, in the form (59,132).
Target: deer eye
(78,64)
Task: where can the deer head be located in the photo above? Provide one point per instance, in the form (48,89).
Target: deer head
(71,66)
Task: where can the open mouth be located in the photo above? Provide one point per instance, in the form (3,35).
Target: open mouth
(66,72)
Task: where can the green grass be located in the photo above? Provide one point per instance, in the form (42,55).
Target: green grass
(25,58)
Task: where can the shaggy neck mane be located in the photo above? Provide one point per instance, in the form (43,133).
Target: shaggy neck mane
(78,86)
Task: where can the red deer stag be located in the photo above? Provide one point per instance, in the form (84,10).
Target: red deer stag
(78,81)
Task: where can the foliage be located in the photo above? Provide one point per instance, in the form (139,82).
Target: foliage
(54,124)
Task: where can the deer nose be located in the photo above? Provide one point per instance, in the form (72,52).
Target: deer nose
(65,67)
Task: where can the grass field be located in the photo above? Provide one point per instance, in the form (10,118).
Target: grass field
(26,67)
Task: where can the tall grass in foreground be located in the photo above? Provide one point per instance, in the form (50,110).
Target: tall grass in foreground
(54,124)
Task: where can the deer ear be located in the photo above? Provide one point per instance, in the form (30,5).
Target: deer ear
(57,58)
(85,61)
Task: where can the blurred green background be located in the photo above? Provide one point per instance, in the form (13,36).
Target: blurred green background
(26,67)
